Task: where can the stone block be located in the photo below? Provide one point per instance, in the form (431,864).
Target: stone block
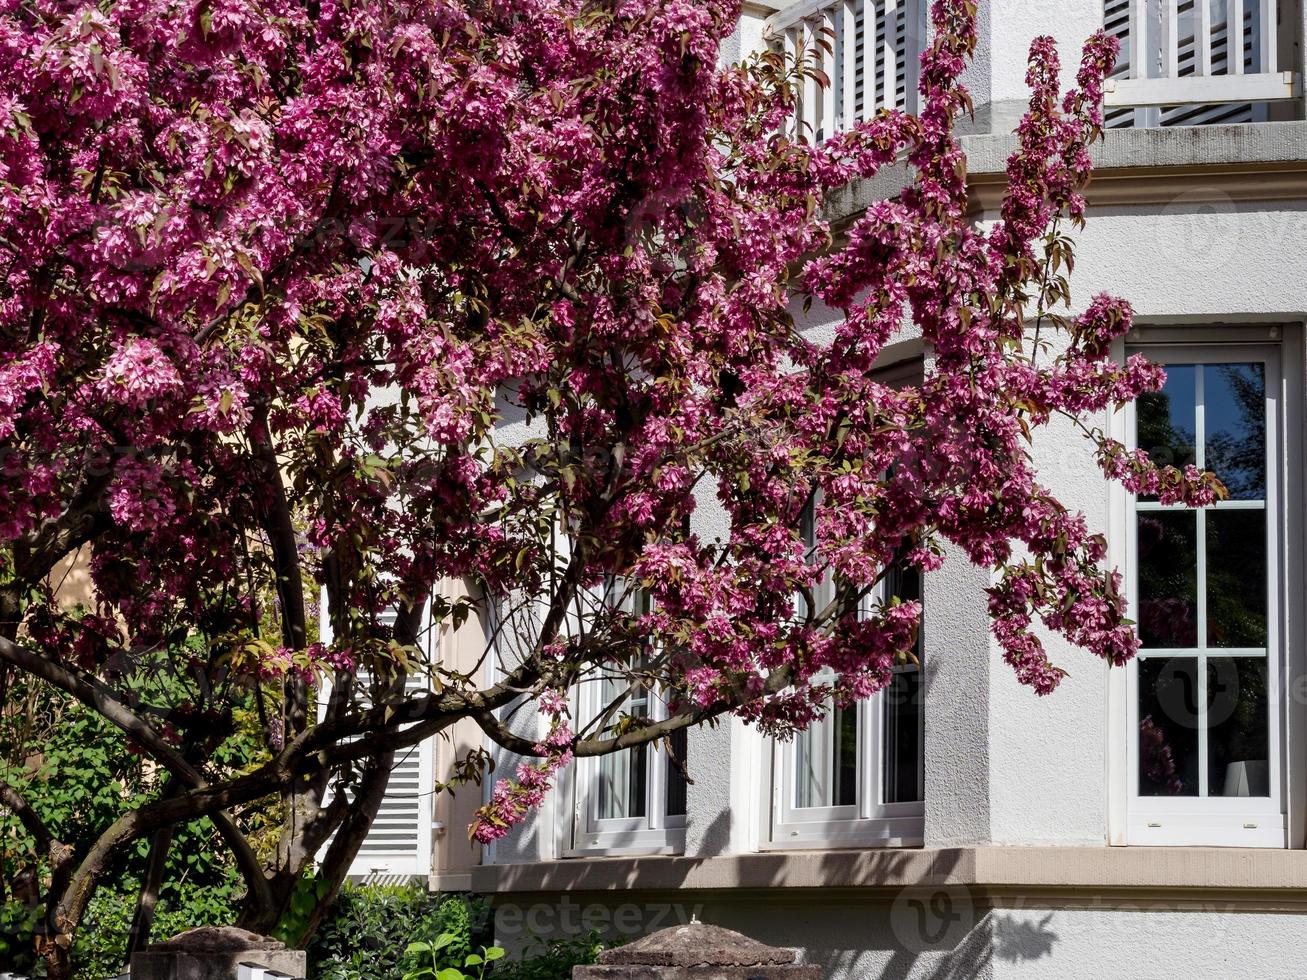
(697,951)
(215,953)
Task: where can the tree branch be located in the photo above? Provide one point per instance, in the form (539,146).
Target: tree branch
(17,804)
(91,692)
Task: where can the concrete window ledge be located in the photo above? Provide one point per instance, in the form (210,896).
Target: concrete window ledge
(1247,877)
(1195,164)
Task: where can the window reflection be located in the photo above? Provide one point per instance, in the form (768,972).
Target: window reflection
(1168,578)
(1168,729)
(1165,419)
(1237,733)
(1236,578)
(1234,402)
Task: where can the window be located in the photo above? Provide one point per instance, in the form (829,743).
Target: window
(1205,708)
(856,776)
(633,800)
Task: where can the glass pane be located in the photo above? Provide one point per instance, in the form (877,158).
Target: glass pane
(826,762)
(904,582)
(1237,731)
(903,750)
(676,782)
(1164,425)
(1236,578)
(622,778)
(846,754)
(1168,576)
(1168,726)
(1234,399)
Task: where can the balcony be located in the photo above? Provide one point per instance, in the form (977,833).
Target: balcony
(868,49)
(1180,63)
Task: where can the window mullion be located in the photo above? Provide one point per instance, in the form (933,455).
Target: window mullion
(870,756)
(1200,544)
(1201,715)
(656,780)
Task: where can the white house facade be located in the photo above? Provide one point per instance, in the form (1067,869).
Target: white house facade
(1141,822)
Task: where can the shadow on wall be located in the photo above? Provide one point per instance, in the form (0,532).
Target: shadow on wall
(848,911)
(1021,940)
(992,936)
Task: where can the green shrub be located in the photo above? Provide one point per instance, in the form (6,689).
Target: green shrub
(98,951)
(431,956)
(369,928)
(389,932)
(82,775)
(18,924)
(552,960)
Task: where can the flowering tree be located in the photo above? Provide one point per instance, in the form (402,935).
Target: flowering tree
(351,298)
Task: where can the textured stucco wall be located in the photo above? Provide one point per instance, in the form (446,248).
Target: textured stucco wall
(1013,24)
(1197,260)
(1148,944)
(957,704)
(936,937)
(851,937)
(1047,755)
(748,35)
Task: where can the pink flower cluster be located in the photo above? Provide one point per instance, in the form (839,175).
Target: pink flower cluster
(507,292)
(512,800)
(139,371)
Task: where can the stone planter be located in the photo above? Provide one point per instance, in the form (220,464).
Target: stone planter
(697,952)
(216,953)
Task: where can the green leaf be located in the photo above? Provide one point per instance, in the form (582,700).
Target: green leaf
(417,948)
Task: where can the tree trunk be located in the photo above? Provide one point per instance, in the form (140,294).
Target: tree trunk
(143,920)
(349,821)
(345,845)
(58,962)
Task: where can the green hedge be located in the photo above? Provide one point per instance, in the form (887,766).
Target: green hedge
(369,927)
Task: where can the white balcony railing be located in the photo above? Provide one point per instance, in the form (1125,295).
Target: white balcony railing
(1181,63)
(869,50)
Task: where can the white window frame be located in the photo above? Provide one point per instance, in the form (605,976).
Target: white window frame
(1274,821)
(591,835)
(869,821)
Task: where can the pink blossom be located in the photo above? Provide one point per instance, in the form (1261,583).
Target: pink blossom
(137,372)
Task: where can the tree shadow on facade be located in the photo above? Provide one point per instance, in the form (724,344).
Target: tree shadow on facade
(1018,940)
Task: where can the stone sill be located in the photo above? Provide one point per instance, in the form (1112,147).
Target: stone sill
(1269,878)
(1240,161)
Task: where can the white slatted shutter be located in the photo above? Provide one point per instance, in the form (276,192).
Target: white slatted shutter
(399,843)
(1116,21)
